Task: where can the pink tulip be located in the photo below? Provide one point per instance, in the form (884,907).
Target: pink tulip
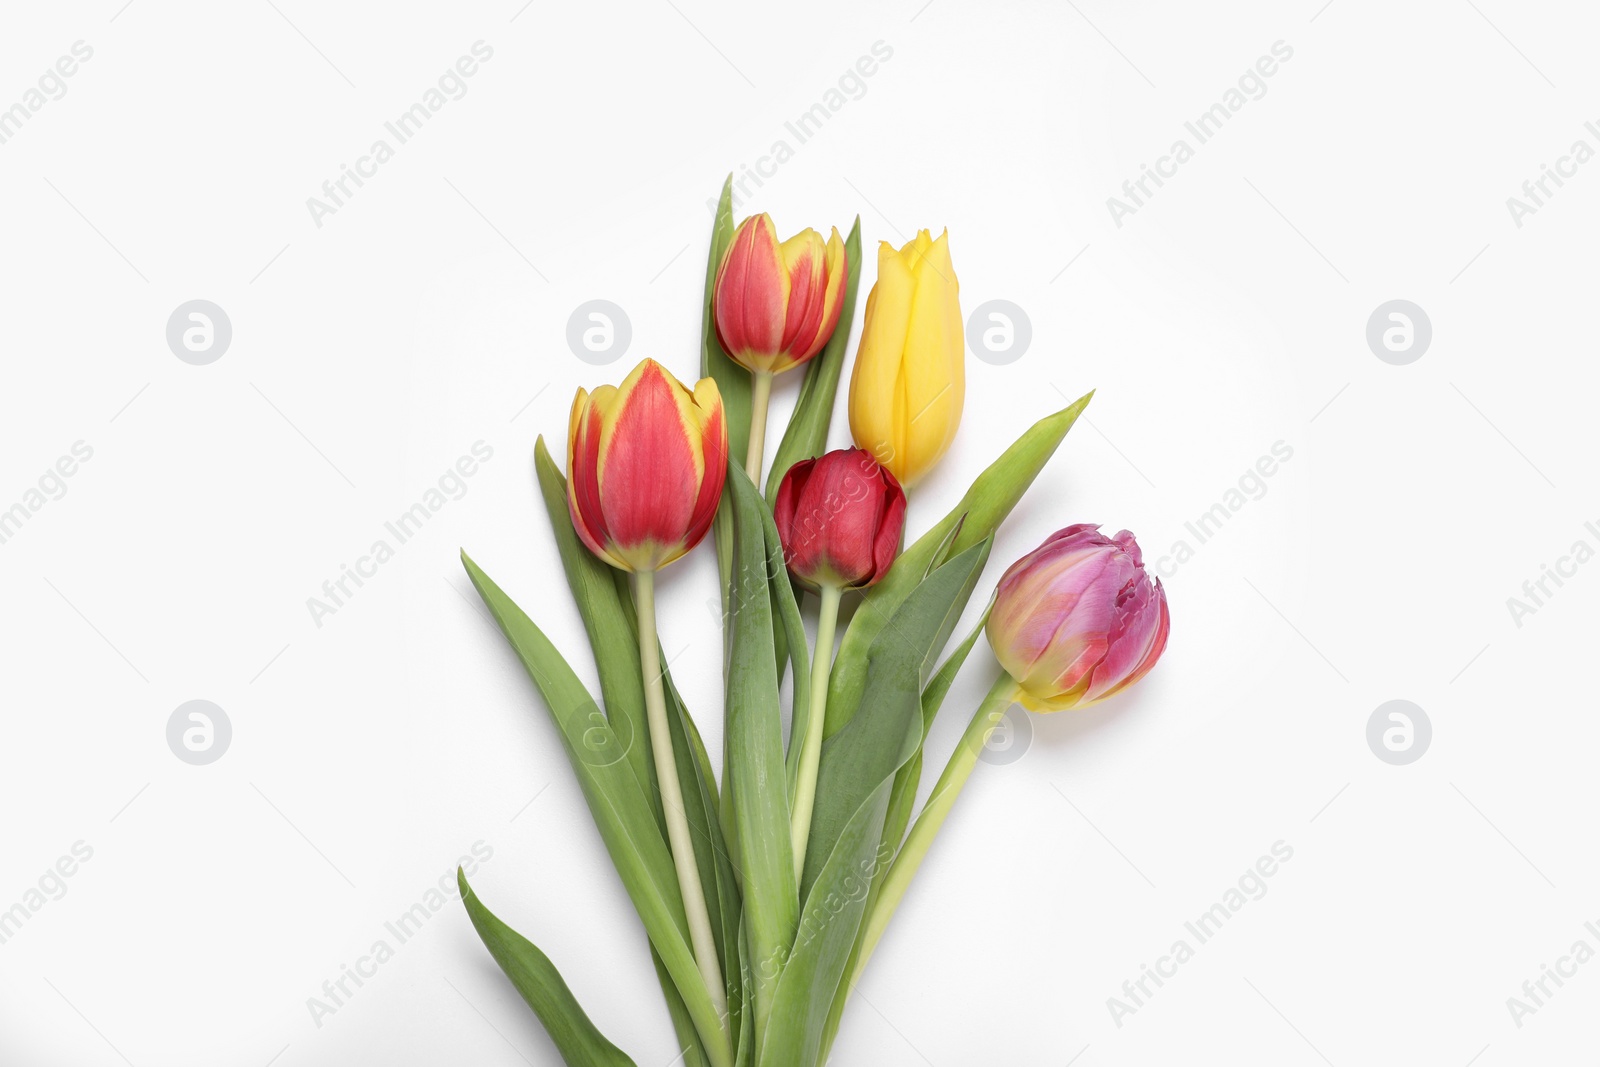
(1078,620)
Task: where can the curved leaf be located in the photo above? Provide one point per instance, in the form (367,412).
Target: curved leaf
(866,750)
(612,633)
(853,786)
(612,624)
(733,381)
(619,806)
(754,785)
(986,504)
(580,1043)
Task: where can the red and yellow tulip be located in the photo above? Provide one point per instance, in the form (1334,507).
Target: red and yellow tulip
(776,304)
(646,462)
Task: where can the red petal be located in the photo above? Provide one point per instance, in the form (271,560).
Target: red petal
(648,491)
(583,481)
(808,291)
(891,527)
(797,548)
(715,445)
(748,298)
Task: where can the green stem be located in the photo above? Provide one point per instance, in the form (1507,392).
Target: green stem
(811,747)
(760,395)
(1001,696)
(655,702)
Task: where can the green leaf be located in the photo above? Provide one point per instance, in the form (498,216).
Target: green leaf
(733,381)
(612,624)
(613,634)
(754,781)
(690,1052)
(807,434)
(580,1043)
(746,1043)
(621,811)
(789,641)
(717,881)
(853,787)
(985,505)
(902,799)
(864,750)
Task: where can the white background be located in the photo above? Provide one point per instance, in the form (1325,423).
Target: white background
(429,313)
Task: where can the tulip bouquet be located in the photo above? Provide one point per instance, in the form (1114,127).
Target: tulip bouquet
(764,890)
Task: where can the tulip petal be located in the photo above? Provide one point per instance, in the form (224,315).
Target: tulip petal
(877,405)
(805,263)
(935,391)
(751,294)
(713,454)
(840,518)
(891,528)
(583,477)
(648,476)
(1123,668)
(838,276)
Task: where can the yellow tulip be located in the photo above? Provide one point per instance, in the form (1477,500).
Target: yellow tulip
(909,380)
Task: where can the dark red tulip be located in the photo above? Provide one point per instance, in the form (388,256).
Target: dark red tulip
(840,518)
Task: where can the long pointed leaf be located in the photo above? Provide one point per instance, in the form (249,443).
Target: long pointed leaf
(853,786)
(866,750)
(733,381)
(621,812)
(789,640)
(579,1041)
(754,780)
(985,505)
(612,624)
(902,799)
(691,1053)
(612,635)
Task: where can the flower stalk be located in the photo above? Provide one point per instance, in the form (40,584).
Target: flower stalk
(760,398)
(1001,696)
(694,899)
(811,747)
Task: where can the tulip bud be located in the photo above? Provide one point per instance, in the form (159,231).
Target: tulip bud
(646,462)
(840,518)
(1077,619)
(909,380)
(775,305)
